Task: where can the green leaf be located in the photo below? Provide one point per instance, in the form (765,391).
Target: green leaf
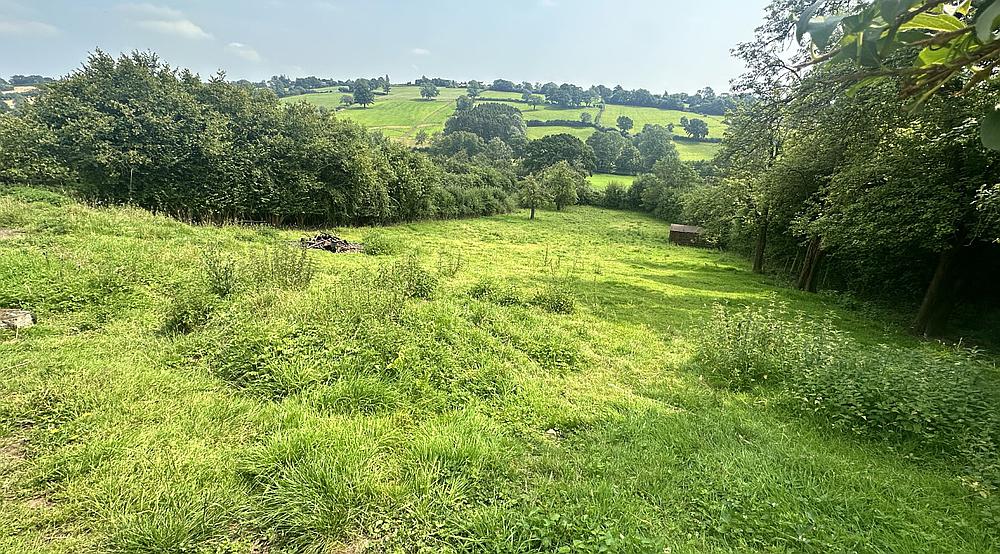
(803,24)
(986,22)
(821,29)
(933,55)
(989,130)
(934,22)
(891,9)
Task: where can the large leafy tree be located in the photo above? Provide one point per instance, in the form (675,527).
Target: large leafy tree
(939,41)
(548,151)
(363,93)
(490,120)
(474,89)
(607,147)
(654,143)
(429,91)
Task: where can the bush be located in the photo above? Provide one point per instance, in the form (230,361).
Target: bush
(949,404)
(378,244)
(503,294)
(751,346)
(555,300)
(944,402)
(189,310)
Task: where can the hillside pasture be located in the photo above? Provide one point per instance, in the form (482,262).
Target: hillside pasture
(403,113)
(486,385)
(600,181)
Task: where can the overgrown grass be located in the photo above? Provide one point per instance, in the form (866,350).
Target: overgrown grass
(444,398)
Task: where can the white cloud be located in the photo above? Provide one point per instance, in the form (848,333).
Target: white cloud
(165,20)
(27,29)
(243,51)
(420,52)
(181,28)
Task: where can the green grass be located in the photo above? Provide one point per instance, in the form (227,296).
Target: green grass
(400,114)
(403,113)
(355,415)
(644,116)
(600,181)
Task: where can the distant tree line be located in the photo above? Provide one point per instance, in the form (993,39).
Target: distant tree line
(218,151)
(567,95)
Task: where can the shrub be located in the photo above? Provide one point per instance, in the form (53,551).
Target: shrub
(503,294)
(746,347)
(945,402)
(949,404)
(555,300)
(378,244)
(189,310)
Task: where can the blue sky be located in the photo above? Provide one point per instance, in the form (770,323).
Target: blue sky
(661,45)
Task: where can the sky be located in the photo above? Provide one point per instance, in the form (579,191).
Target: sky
(660,45)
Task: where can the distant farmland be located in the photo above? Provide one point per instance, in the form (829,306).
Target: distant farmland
(403,113)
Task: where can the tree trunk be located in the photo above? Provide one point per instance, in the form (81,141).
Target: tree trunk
(532,213)
(939,299)
(809,276)
(758,255)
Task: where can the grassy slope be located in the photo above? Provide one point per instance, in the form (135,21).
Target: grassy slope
(424,428)
(600,181)
(402,113)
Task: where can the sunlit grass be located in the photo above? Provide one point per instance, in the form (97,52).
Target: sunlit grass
(349,417)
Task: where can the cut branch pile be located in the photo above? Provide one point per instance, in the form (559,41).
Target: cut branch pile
(330,243)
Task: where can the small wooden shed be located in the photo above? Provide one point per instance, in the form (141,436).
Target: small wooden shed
(686,235)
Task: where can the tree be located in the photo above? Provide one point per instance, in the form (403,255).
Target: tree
(421,137)
(695,128)
(607,147)
(429,91)
(662,190)
(363,93)
(561,181)
(213,151)
(533,195)
(386,85)
(548,151)
(625,123)
(535,101)
(503,85)
(940,41)
(490,120)
(474,89)
(347,100)
(464,103)
(586,118)
(654,143)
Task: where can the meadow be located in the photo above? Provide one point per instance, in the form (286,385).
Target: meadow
(600,181)
(403,113)
(487,385)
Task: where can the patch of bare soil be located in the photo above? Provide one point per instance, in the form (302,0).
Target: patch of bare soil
(9,234)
